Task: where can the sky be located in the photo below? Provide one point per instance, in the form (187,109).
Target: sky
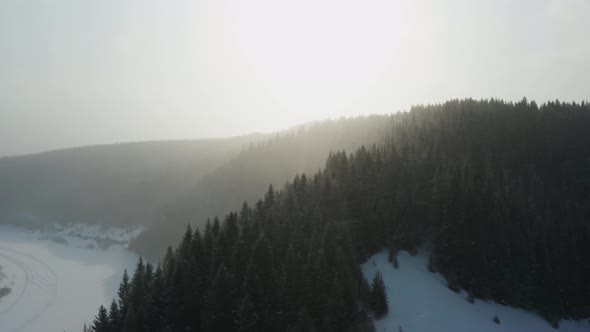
(77,72)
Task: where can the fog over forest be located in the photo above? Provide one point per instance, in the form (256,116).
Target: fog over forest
(77,73)
(263,166)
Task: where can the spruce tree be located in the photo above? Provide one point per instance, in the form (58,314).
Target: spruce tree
(136,291)
(123,294)
(156,313)
(131,323)
(101,321)
(365,293)
(219,301)
(115,321)
(379,300)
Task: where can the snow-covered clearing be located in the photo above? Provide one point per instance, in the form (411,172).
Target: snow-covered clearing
(419,301)
(57,279)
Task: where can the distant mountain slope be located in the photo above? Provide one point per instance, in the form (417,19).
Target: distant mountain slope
(301,149)
(119,184)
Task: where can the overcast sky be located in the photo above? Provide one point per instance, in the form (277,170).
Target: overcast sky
(78,72)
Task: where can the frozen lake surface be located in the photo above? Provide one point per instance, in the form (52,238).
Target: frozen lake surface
(57,279)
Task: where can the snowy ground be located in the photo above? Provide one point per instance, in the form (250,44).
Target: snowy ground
(59,278)
(419,301)
(6,281)
(90,236)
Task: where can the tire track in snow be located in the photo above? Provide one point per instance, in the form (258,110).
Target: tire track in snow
(20,266)
(40,288)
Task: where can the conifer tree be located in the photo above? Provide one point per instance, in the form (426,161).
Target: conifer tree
(219,302)
(156,313)
(115,321)
(131,323)
(123,294)
(101,321)
(136,291)
(379,300)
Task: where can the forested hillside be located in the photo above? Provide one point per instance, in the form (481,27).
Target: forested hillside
(500,192)
(246,177)
(120,184)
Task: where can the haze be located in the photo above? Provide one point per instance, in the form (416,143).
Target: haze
(88,72)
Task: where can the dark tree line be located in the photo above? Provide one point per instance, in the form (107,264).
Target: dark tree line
(499,191)
(284,264)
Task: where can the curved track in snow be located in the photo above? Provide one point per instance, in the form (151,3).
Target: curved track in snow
(34,290)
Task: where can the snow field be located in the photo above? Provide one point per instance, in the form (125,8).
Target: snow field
(419,301)
(56,286)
